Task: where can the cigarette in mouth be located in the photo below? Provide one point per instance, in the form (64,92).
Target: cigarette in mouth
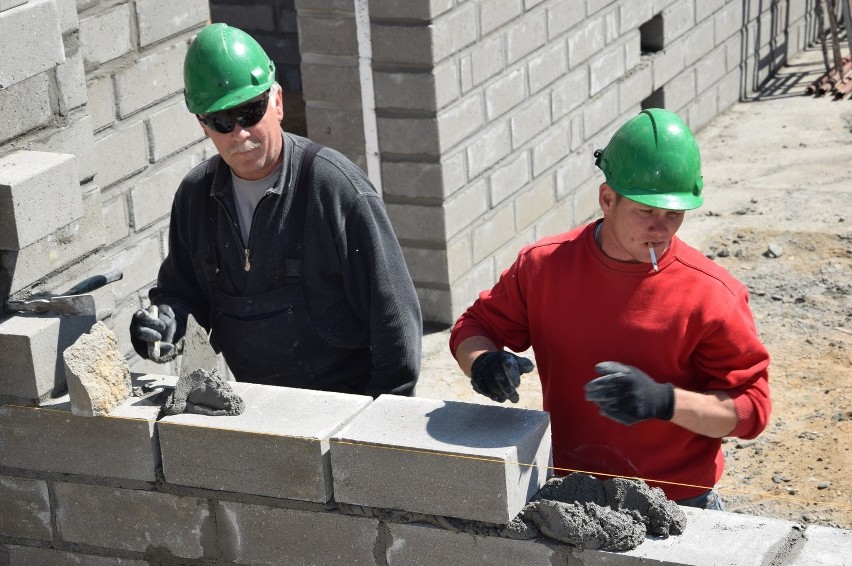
(653,256)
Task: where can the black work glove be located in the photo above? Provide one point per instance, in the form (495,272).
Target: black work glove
(627,395)
(497,375)
(156,326)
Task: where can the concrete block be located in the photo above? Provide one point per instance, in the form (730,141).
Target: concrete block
(173,129)
(417,222)
(131,520)
(26,508)
(586,41)
(252,18)
(458,122)
(436,305)
(534,203)
(605,68)
(328,35)
(311,538)
(156,20)
(9,4)
(130,142)
(494,231)
(71,81)
(425,545)
(508,179)
(487,58)
(823,546)
(550,150)
(426,265)
(699,42)
(446,458)
(97,375)
(106,36)
(76,137)
(680,91)
(489,148)
(710,69)
(525,36)
(279,446)
(101,105)
(562,15)
(459,256)
(531,120)
(341,128)
(151,198)
(678,18)
(25,106)
(116,219)
(635,87)
(338,84)
(454,31)
(413,179)
(569,92)
(32,345)
(409,136)
(33,30)
(161,73)
(668,63)
(68,21)
(465,206)
(28,180)
(28,556)
(404,91)
(547,66)
(390,9)
(704,10)
(505,93)
(140,263)
(409,45)
(499,15)
(600,112)
(51,439)
(61,249)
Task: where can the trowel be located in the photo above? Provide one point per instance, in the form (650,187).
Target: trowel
(197,354)
(75,301)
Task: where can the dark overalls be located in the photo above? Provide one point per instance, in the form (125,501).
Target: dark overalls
(269,338)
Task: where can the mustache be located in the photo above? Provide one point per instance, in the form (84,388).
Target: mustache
(243,147)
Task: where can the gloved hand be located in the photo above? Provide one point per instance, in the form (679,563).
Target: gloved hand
(628,395)
(497,375)
(156,326)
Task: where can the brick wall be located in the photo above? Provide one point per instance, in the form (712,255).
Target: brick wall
(304,477)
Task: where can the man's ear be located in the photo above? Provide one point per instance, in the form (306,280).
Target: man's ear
(606,197)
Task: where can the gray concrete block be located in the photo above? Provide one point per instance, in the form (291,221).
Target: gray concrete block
(9,4)
(31,365)
(173,129)
(130,142)
(116,219)
(509,178)
(699,42)
(526,35)
(707,8)
(494,231)
(166,65)
(341,128)
(445,458)
(679,18)
(562,15)
(151,198)
(550,149)
(413,179)
(51,439)
(68,21)
(505,93)
(489,148)
(75,136)
(457,123)
(391,9)
(101,105)
(140,263)
(28,556)
(26,508)
(635,87)
(668,63)
(531,120)
(132,520)
(404,90)
(465,207)
(28,180)
(409,44)
(585,41)
(823,546)
(335,35)
(680,91)
(487,59)
(454,31)
(570,91)
(426,265)
(499,15)
(33,30)
(425,545)
(270,535)
(25,106)
(279,446)
(547,66)
(535,203)
(710,69)
(336,85)
(71,81)
(156,20)
(252,18)
(97,375)
(61,249)
(409,136)
(600,112)
(105,36)
(606,67)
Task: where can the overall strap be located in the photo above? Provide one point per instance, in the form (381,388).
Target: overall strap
(296,215)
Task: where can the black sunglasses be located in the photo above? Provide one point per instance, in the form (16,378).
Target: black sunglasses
(246,115)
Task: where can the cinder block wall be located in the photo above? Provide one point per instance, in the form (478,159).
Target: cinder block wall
(313,478)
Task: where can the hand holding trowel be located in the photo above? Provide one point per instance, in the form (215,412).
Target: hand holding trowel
(76,300)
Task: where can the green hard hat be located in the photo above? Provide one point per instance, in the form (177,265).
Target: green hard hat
(224,67)
(654,160)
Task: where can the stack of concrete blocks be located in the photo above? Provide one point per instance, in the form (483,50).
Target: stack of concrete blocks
(488,113)
(307,477)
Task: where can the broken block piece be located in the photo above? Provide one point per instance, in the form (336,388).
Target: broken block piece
(97,374)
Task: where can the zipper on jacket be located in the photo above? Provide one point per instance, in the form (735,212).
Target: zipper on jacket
(247,266)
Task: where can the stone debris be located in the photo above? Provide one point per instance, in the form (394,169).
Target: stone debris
(204,393)
(613,515)
(97,374)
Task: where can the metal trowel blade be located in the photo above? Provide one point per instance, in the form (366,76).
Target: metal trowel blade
(197,351)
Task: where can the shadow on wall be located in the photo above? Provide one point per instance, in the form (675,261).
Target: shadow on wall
(764,51)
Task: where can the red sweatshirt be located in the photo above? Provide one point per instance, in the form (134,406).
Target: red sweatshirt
(688,324)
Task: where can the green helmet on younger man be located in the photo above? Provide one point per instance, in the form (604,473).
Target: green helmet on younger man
(223,68)
(654,160)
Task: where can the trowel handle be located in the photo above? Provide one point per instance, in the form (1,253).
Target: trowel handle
(89,284)
(154,347)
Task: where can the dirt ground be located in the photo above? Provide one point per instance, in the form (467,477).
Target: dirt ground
(778,215)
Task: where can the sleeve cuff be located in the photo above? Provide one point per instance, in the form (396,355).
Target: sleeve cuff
(746,415)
